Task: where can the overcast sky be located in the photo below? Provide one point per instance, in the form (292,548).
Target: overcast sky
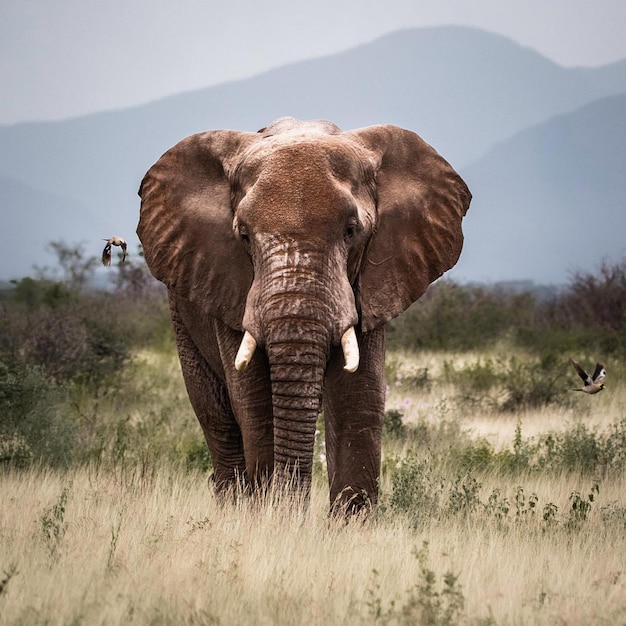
(62,58)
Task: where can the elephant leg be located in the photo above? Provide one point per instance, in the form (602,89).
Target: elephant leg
(209,398)
(353,412)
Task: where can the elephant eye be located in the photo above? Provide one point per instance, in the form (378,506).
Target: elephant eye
(352,228)
(242,231)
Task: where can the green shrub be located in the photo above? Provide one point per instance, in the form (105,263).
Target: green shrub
(416,488)
(36,294)
(477,378)
(582,450)
(477,385)
(589,315)
(34,426)
(427,601)
(597,300)
(392,424)
(581,506)
(510,385)
(65,352)
(541,382)
(456,317)
(578,450)
(431,603)
(54,525)
(464,495)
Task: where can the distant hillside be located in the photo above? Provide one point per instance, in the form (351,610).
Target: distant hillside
(550,200)
(463,90)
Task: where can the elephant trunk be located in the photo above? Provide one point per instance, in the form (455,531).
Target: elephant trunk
(297,366)
(300,304)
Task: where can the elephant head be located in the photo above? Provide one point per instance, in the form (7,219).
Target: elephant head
(294,236)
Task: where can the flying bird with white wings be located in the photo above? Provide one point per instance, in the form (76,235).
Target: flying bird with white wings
(106,253)
(593,383)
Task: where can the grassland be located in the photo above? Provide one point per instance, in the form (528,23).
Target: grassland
(126,541)
(502,491)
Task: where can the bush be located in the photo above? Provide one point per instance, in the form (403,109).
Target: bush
(428,601)
(415,488)
(455,317)
(588,315)
(582,450)
(426,451)
(392,424)
(532,385)
(597,300)
(34,426)
(510,385)
(83,342)
(64,349)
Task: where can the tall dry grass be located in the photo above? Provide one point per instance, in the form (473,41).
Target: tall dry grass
(437,399)
(131,542)
(154,547)
(467,532)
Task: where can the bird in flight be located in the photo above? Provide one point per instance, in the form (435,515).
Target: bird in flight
(592,384)
(106,253)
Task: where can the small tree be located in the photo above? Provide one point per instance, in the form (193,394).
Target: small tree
(597,301)
(133,277)
(78,269)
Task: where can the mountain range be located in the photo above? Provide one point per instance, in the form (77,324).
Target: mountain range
(541,147)
(551,200)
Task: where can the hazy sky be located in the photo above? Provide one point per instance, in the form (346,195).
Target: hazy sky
(62,58)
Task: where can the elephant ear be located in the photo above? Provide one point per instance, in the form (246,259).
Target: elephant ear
(185,224)
(418,236)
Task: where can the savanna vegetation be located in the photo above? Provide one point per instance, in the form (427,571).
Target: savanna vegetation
(502,497)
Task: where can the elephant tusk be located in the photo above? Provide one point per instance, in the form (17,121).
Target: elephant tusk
(245,352)
(350,350)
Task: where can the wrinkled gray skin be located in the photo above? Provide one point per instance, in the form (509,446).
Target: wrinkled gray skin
(296,234)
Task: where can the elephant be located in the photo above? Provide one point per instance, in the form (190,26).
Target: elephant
(284,253)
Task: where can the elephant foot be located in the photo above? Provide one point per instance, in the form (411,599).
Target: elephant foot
(228,487)
(352,503)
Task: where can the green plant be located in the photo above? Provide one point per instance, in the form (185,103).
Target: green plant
(521,450)
(614,449)
(440,319)
(392,424)
(581,507)
(550,511)
(580,449)
(476,378)
(464,495)
(590,314)
(428,604)
(534,384)
(525,507)
(33,294)
(497,506)
(509,385)
(374,603)
(429,601)
(33,426)
(597,300)
(476,456)
(614,513)
(54,526)
(416,489)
